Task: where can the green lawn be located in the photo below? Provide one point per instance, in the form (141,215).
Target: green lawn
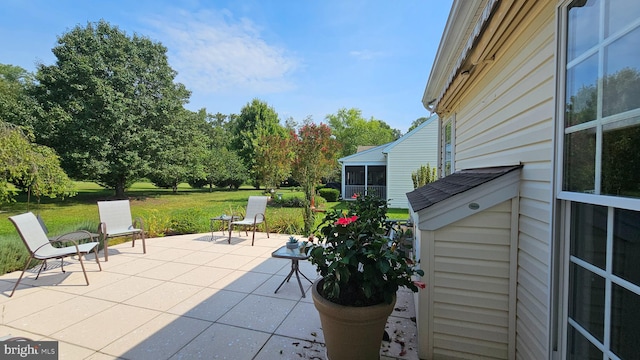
(163,212)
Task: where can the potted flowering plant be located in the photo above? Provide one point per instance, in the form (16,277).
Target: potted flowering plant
(361,269)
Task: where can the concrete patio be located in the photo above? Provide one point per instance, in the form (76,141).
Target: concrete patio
(189,297)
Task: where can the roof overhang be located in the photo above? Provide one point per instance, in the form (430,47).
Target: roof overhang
(474,33)
(456,33)
(462,194)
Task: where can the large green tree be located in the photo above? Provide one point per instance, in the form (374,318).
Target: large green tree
(256,119)
(108,99)
(352,130)
(16,106)
(184,144)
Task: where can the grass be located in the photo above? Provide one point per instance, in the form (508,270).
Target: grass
(163,213)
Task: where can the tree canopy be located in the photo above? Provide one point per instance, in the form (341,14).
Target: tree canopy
(315,157)
(352,130)
(257,119)
(417,122)
(34,168)
(16,106)
(107,101)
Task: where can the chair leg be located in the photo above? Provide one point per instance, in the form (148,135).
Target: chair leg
(105,247)
(144,245)
(266,227)
(83,269)
(40,270)
(21,275)
(254,234)
(95,252)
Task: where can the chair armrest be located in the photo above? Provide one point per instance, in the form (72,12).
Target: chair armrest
(138,223)
(58,239)
(74,236)
(102,229)
(255,218)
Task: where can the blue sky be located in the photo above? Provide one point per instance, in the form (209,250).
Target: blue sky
(304,58)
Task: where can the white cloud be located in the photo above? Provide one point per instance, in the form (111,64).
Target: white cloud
(213,52)
(366,54)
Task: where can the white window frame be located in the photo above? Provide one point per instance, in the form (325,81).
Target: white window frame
(451,119)
(604,200)
(563,205)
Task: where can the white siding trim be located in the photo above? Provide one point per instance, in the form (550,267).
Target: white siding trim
(513,276)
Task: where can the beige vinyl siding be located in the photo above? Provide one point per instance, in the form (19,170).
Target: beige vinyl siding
(503,117)
(469,287)
(406,157)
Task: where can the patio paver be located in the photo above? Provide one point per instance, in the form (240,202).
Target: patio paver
(187,298)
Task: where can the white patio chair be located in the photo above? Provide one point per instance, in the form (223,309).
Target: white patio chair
(253,217)
(116,220)
(40,248)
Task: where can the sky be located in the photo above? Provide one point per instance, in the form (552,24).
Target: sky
(303,58)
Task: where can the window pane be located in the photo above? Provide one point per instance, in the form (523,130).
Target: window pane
(626,245)
(621,86)
(354,175)
(586,300)
(582,29)
(582,92)
(589,233)
(580,161)
(625,317)
(621,160)
(579,348)
(621,13)
(377,175)
(447,149)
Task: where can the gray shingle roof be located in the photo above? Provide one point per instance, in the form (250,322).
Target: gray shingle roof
(456,183)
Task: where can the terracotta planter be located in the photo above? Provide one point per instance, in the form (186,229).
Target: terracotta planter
(351,332)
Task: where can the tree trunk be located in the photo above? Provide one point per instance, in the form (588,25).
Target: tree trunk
(307,213)
(120,189)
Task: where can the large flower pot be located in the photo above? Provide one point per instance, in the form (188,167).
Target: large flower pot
(351,332)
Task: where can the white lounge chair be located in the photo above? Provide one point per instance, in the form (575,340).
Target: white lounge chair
(253,217)
(40,248)
(116,220)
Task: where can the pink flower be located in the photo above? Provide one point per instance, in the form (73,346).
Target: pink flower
(420,284)
(354,196)
(344,221)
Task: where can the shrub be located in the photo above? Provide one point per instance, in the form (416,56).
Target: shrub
(287,224)
(188,221)
(156,223)
(423,176)
(288,202)
(331,195)
(13,255)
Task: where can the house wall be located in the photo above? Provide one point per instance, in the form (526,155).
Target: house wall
(371,156)
(505,116)
(405,157)
(466,305)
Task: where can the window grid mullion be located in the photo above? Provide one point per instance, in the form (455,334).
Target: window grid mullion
(608,286)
